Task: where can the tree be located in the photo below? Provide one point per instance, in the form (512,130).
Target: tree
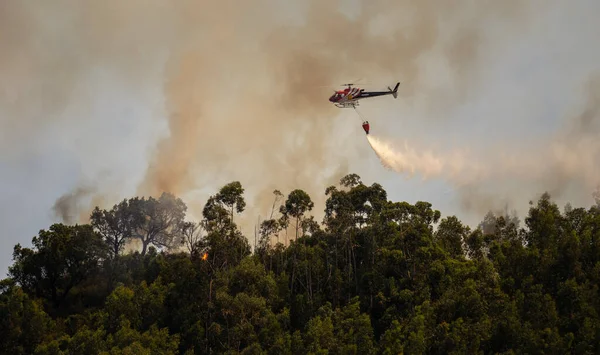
(192,234)
(62,257)
(158,221)
(115,225)
(488,225)
(23,322)
(232,196)
(219,209)
(271,225)
(543,222)
(225,244)
(375,277)
(296,205)
(451,235)
(351,180)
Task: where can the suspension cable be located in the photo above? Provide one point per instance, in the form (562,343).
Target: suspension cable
(359,114)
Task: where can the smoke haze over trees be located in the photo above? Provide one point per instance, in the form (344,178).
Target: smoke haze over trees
(374,277)
(137,98)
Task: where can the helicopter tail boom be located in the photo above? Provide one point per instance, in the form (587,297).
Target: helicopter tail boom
(395,91)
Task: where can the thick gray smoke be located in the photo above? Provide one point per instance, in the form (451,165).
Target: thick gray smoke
(186,96)
(68,206)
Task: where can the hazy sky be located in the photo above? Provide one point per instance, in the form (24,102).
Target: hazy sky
(89,94)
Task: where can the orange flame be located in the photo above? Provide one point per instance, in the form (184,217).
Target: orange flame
(205,256)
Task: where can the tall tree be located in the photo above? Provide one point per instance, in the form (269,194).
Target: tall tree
(224,241)
(220,208)
(232,196)
(297,204)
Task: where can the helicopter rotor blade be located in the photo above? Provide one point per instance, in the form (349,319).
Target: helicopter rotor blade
(355,82)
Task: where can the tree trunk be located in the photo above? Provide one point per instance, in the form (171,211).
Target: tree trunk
(308,286)
(336,290)
(112,273)
(116,248)
(297,228)
(374,250)
(145,243)
(350,268)
(293,275)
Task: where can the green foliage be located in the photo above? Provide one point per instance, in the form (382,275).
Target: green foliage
(376,277)
(297,204)
(63,257)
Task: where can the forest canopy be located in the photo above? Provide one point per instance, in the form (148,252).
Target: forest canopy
(374,277)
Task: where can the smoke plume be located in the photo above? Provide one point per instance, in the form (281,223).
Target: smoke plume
(67,206)
(258,114)
(187,96)
(566,165)
(410,161)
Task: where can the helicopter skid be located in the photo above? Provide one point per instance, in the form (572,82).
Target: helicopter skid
(352,104)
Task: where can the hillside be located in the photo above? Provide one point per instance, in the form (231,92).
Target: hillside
(374,277)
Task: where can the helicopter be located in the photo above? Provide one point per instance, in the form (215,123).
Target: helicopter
(350,96)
